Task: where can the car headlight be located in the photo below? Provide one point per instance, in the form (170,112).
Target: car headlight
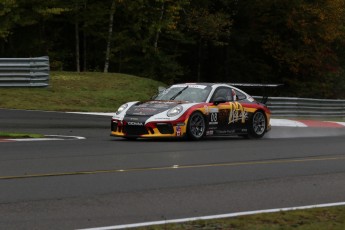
(121,108)
(175,111)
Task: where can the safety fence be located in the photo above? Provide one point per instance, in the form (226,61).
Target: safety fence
(24,72)
(305,107)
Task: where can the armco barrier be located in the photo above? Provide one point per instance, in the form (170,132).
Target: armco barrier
(305,107)
(24,72)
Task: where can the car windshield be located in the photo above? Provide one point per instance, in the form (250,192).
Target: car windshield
(191,93)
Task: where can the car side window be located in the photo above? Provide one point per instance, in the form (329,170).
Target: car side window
(222,94)
(240,95)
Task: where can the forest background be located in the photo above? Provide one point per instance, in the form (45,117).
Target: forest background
(298,43)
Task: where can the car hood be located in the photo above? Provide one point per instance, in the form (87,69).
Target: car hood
(150,108)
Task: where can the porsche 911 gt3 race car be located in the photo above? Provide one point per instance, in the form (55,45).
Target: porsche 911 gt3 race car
(193,110)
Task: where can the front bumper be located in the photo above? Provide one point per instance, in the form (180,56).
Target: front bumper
(149,130)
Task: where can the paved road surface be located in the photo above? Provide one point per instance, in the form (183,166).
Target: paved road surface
(102,181)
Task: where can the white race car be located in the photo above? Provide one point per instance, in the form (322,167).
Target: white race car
(193,110)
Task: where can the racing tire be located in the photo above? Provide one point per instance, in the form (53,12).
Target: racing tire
(196,126)
(257,125)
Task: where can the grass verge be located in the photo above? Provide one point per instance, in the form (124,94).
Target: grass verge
(85,92)
(311,219)
(19,135)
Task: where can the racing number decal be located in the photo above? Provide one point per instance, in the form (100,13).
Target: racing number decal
(212,114)
(213,118)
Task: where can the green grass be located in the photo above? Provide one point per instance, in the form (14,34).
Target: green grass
(19,135)
(311,219)
(85,92)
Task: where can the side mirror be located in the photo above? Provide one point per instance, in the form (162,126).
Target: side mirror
(219,101)
(161,89)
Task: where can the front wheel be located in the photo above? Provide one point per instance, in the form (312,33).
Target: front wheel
(196,126)
(257,125)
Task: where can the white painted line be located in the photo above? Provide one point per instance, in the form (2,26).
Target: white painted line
(94,113)
(49,138)
(62,136)
(163,222)
(36,139)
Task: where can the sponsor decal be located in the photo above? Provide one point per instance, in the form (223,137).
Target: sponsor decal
(225,132)
(138,113)
(209,133)
(161,106)
(214,110)
(190,86)
(135,123)
(237,113)
(163,118)
(143,111)
(213,118)
(178,131)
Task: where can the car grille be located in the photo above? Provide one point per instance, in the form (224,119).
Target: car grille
(165,128)
(135,130)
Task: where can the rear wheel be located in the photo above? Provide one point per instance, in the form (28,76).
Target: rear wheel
(196,126)
(257,125)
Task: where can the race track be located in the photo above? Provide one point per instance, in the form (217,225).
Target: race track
(106,181)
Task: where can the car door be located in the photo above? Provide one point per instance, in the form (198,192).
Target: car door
(229,114)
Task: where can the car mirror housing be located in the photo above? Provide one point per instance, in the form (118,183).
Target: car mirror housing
(217,102)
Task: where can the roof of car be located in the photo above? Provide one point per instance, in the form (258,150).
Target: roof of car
(202,83)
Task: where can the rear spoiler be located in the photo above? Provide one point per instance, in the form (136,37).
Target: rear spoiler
(255,85)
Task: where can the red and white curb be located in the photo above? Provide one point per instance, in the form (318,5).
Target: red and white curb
(46,138)
(306,123)
(230,215)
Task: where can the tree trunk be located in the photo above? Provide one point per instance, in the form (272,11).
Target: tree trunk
(77,42)
(159,27)
(84,43)
(110,34)
(199,60)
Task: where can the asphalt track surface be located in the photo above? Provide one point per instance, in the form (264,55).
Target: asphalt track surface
(106,181)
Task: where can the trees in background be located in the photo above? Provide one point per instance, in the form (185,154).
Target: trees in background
(296,42)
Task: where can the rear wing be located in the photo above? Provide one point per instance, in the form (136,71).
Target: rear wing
(264,88)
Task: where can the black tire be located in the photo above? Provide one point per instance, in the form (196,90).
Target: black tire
(257,125)
(196,126)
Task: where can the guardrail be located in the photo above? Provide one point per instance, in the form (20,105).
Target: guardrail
(305,107)
(24,72)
